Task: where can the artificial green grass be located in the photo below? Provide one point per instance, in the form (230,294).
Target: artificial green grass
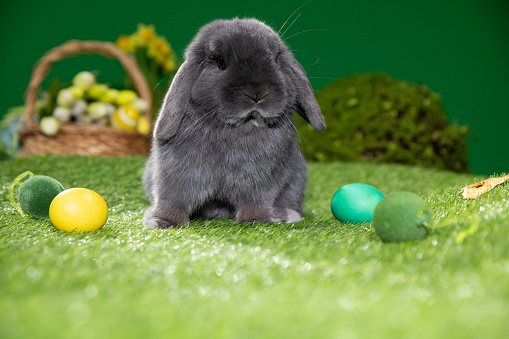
(217,279)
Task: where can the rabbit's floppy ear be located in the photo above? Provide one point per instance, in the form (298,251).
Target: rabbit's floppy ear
(306,107)
(176,103)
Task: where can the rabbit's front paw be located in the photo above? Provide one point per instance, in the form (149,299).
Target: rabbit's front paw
(178,220)
(287,215)
(249,214)
(156,222)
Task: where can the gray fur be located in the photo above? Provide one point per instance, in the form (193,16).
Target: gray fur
(224,141)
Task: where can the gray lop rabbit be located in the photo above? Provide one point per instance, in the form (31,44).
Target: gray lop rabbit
(224,142)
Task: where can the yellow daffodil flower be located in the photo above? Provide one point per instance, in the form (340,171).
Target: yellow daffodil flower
(160,46)
(126,43)
(169,66)
(146,33)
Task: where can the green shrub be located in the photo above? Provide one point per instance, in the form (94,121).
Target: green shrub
(373,117)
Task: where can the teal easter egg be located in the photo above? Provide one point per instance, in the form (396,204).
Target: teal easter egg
(355,203)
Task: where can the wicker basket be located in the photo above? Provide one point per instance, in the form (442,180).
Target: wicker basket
(75,139)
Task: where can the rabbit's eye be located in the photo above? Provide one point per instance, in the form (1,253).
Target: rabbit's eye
(221,64)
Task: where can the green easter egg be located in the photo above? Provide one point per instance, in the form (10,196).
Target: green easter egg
(36,194)
(402,216)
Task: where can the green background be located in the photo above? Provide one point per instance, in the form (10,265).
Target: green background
(457,48)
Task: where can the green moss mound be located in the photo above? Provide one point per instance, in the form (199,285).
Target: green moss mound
(402,216)
(36,195)
(373,117)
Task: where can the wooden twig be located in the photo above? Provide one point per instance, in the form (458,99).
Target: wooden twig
(473,191)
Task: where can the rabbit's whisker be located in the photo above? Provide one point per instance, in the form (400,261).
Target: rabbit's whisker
(286,30)
(304,4)
(163,79)
(307,30)
(340,79)
(314,56)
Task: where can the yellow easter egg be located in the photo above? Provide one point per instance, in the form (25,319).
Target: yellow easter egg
(143,126)
(125,97)
(78,210)
(126,118)
(96,91)
(78,92)
(110,95)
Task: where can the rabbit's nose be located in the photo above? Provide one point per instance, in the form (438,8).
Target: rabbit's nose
(257,96)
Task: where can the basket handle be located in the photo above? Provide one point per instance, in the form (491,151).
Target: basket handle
(74,48)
